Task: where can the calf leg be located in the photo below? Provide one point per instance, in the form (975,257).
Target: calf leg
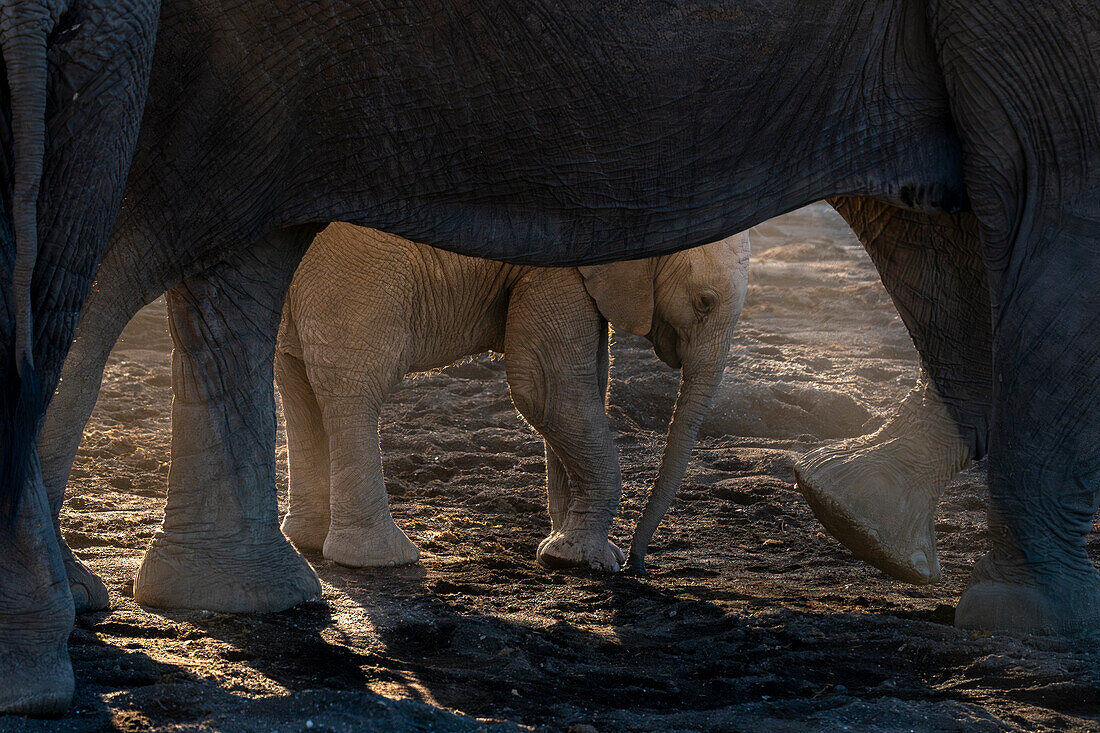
(307,518)
(362,532)
(553,372)
(558,495)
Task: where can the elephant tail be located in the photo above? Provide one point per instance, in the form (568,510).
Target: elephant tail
(23,41)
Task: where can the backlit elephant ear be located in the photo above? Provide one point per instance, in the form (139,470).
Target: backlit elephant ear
(623,292)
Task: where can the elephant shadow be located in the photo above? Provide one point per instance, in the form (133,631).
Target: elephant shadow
(497,639)
(121,689)
(537,646)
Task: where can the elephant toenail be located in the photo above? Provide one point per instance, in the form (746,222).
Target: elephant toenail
(919,561)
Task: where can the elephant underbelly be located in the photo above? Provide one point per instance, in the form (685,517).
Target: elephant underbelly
(635,141)
(445,357)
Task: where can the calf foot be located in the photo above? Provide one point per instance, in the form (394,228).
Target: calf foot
(306,531)
(580,548)
(255,572)
(878,494)
(89,592)
(1005,595)
(377,547)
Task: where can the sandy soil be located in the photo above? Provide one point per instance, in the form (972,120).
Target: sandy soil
(751,619)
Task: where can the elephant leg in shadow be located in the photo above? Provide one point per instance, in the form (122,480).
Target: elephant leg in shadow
(119,293)
(63,427)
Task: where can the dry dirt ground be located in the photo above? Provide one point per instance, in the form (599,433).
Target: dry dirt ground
(751,619)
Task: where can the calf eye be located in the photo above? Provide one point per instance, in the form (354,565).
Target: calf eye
(705,302)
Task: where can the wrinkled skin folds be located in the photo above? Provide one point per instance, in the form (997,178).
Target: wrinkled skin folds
(74,88)
(541,133)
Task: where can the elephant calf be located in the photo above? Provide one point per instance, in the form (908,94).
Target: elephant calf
(367,308)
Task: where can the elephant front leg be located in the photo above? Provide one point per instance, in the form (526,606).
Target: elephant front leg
(220,547)
(362,532)
(878,494)
(1025,108)
(566,408)
(582,538)
(554,360)
(559,497)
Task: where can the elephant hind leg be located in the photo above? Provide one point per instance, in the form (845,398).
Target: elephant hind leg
(36,614)
(220,547)
(88,590)
(878,494)
(307,519)
(67,415)
(362,532)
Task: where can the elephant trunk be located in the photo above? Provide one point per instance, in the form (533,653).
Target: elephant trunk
(699,381)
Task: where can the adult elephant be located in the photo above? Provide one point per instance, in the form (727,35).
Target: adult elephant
(578,132)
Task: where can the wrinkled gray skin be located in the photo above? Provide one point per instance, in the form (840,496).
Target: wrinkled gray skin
(878,493)
(551,133)
(71,98)
(367,308)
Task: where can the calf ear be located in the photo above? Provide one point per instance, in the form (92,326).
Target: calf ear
(623,292)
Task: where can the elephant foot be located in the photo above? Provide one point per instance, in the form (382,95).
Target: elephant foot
(877,509)
(89,592)
(878,494)
(578,548)
(232,574)
(37,682)
(36,612)
(1003,596)
(307,532)
(36,617)
(385,546)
